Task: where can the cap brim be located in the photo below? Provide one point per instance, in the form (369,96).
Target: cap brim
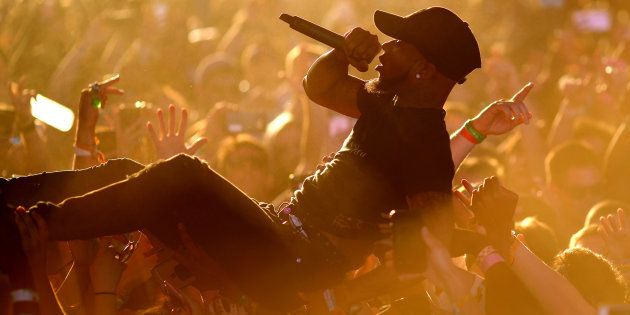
(390,24)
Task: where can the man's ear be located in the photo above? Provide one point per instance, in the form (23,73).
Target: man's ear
(422,70)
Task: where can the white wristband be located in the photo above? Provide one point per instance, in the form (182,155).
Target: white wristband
(24,295)
(82,152)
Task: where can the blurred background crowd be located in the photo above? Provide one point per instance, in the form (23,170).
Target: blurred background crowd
(238,71)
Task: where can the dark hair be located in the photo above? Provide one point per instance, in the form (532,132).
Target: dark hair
(232,144)
(541,239)
(586,127)
(593,276)
(603,208)
(567,156)
(587,231)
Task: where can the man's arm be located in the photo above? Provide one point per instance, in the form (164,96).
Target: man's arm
(497,118)
(328,83)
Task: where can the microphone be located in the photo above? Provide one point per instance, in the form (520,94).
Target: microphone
(314,31)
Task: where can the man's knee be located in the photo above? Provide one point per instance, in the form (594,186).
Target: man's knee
(180,167)
(184,162)
(125,165)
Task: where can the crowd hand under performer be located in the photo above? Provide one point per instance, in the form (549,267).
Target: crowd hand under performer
(92,99)
(493,207)
(171,140)
(616,232)
(105,273)
(361,47)
(443,273)
(34,238)
(186,301)
(206,269)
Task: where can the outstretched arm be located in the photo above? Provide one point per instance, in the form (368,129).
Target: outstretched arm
(497,118)
(554,292)
(494,207)
(92,99)
(328,83)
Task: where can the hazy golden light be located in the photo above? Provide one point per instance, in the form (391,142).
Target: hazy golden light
(52,113)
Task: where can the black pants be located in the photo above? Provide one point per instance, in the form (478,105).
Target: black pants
(260,256)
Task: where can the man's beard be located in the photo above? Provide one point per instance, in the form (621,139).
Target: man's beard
(388,86)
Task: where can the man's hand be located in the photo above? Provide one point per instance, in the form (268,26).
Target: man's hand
(171,142)
(494,207)
(502,116)
(94,97)
(106,270)
(440,267)
(96,94)
(361,47)
(616,233)
(34,237)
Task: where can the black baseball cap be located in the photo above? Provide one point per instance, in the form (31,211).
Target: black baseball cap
(440,35)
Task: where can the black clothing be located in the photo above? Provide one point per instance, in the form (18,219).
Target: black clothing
(392,152)
(267,260)
(506,293)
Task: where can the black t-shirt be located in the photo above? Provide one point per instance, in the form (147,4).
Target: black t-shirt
(392,152)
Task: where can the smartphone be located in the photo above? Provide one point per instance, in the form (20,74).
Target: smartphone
(244,121)
(619,309)
(124,245)
(592,20)
(174,273)
(52,113)
(409,247)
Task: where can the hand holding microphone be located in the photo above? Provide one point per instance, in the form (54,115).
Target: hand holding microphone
(360,46)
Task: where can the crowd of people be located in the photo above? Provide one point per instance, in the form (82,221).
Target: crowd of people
(223,81)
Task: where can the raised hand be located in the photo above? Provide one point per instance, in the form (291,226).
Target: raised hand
(440,267)
(106,270)
(95,97)
(503,115)
(172,141)
(34,236)
(493,206)
(616,233)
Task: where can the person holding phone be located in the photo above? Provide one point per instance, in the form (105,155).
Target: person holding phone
(398,156)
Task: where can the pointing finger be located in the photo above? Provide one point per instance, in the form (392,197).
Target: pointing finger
(522,94)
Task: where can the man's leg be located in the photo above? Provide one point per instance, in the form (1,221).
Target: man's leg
(232,229)
(51,186)
(57,186)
